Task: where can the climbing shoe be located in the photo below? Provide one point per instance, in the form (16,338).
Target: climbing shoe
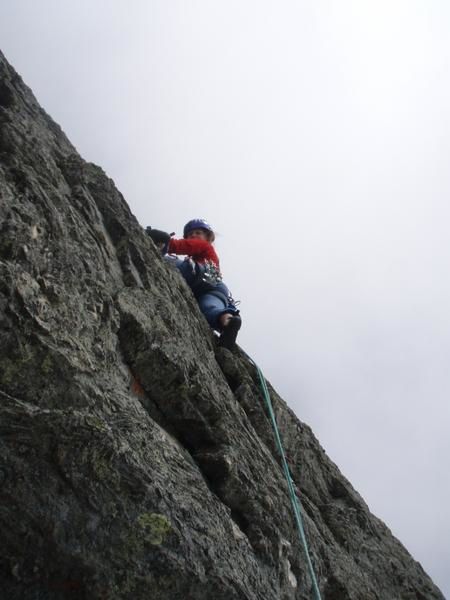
(229,332)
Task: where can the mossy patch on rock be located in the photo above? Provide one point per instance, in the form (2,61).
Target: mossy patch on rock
(155,527)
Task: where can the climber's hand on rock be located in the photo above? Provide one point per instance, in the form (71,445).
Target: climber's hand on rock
(161,238)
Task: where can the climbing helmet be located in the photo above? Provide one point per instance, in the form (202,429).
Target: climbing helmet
(198,224)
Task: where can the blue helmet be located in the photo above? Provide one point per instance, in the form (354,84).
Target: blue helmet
(198,224)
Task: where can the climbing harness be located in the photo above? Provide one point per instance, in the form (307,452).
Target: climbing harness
(208,273)
(295,501)
(201,277)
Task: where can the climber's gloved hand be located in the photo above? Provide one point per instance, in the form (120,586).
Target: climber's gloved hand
(158,236)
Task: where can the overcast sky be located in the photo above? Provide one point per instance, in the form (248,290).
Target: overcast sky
(315,136)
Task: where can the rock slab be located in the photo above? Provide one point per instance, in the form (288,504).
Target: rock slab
(136,457)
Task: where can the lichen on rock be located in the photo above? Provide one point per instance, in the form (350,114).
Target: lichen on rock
(155,527)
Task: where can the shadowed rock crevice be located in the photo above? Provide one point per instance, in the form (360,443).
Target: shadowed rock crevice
(6,95)
(177,390)
(137,459)
(208,455)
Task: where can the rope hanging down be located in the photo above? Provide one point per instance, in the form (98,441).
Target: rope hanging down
(296,505)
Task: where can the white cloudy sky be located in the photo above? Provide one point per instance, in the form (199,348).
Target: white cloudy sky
(315,136)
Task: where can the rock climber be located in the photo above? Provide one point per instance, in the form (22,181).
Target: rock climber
(201,270)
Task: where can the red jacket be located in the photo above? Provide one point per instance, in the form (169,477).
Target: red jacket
(200,251)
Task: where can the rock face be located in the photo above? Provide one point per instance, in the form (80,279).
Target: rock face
(136,457)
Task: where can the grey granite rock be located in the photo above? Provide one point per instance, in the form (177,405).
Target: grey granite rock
(136,457)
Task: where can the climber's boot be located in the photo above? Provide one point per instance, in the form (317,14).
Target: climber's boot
(229,332)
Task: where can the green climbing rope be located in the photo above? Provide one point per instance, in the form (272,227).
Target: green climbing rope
(296,504)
